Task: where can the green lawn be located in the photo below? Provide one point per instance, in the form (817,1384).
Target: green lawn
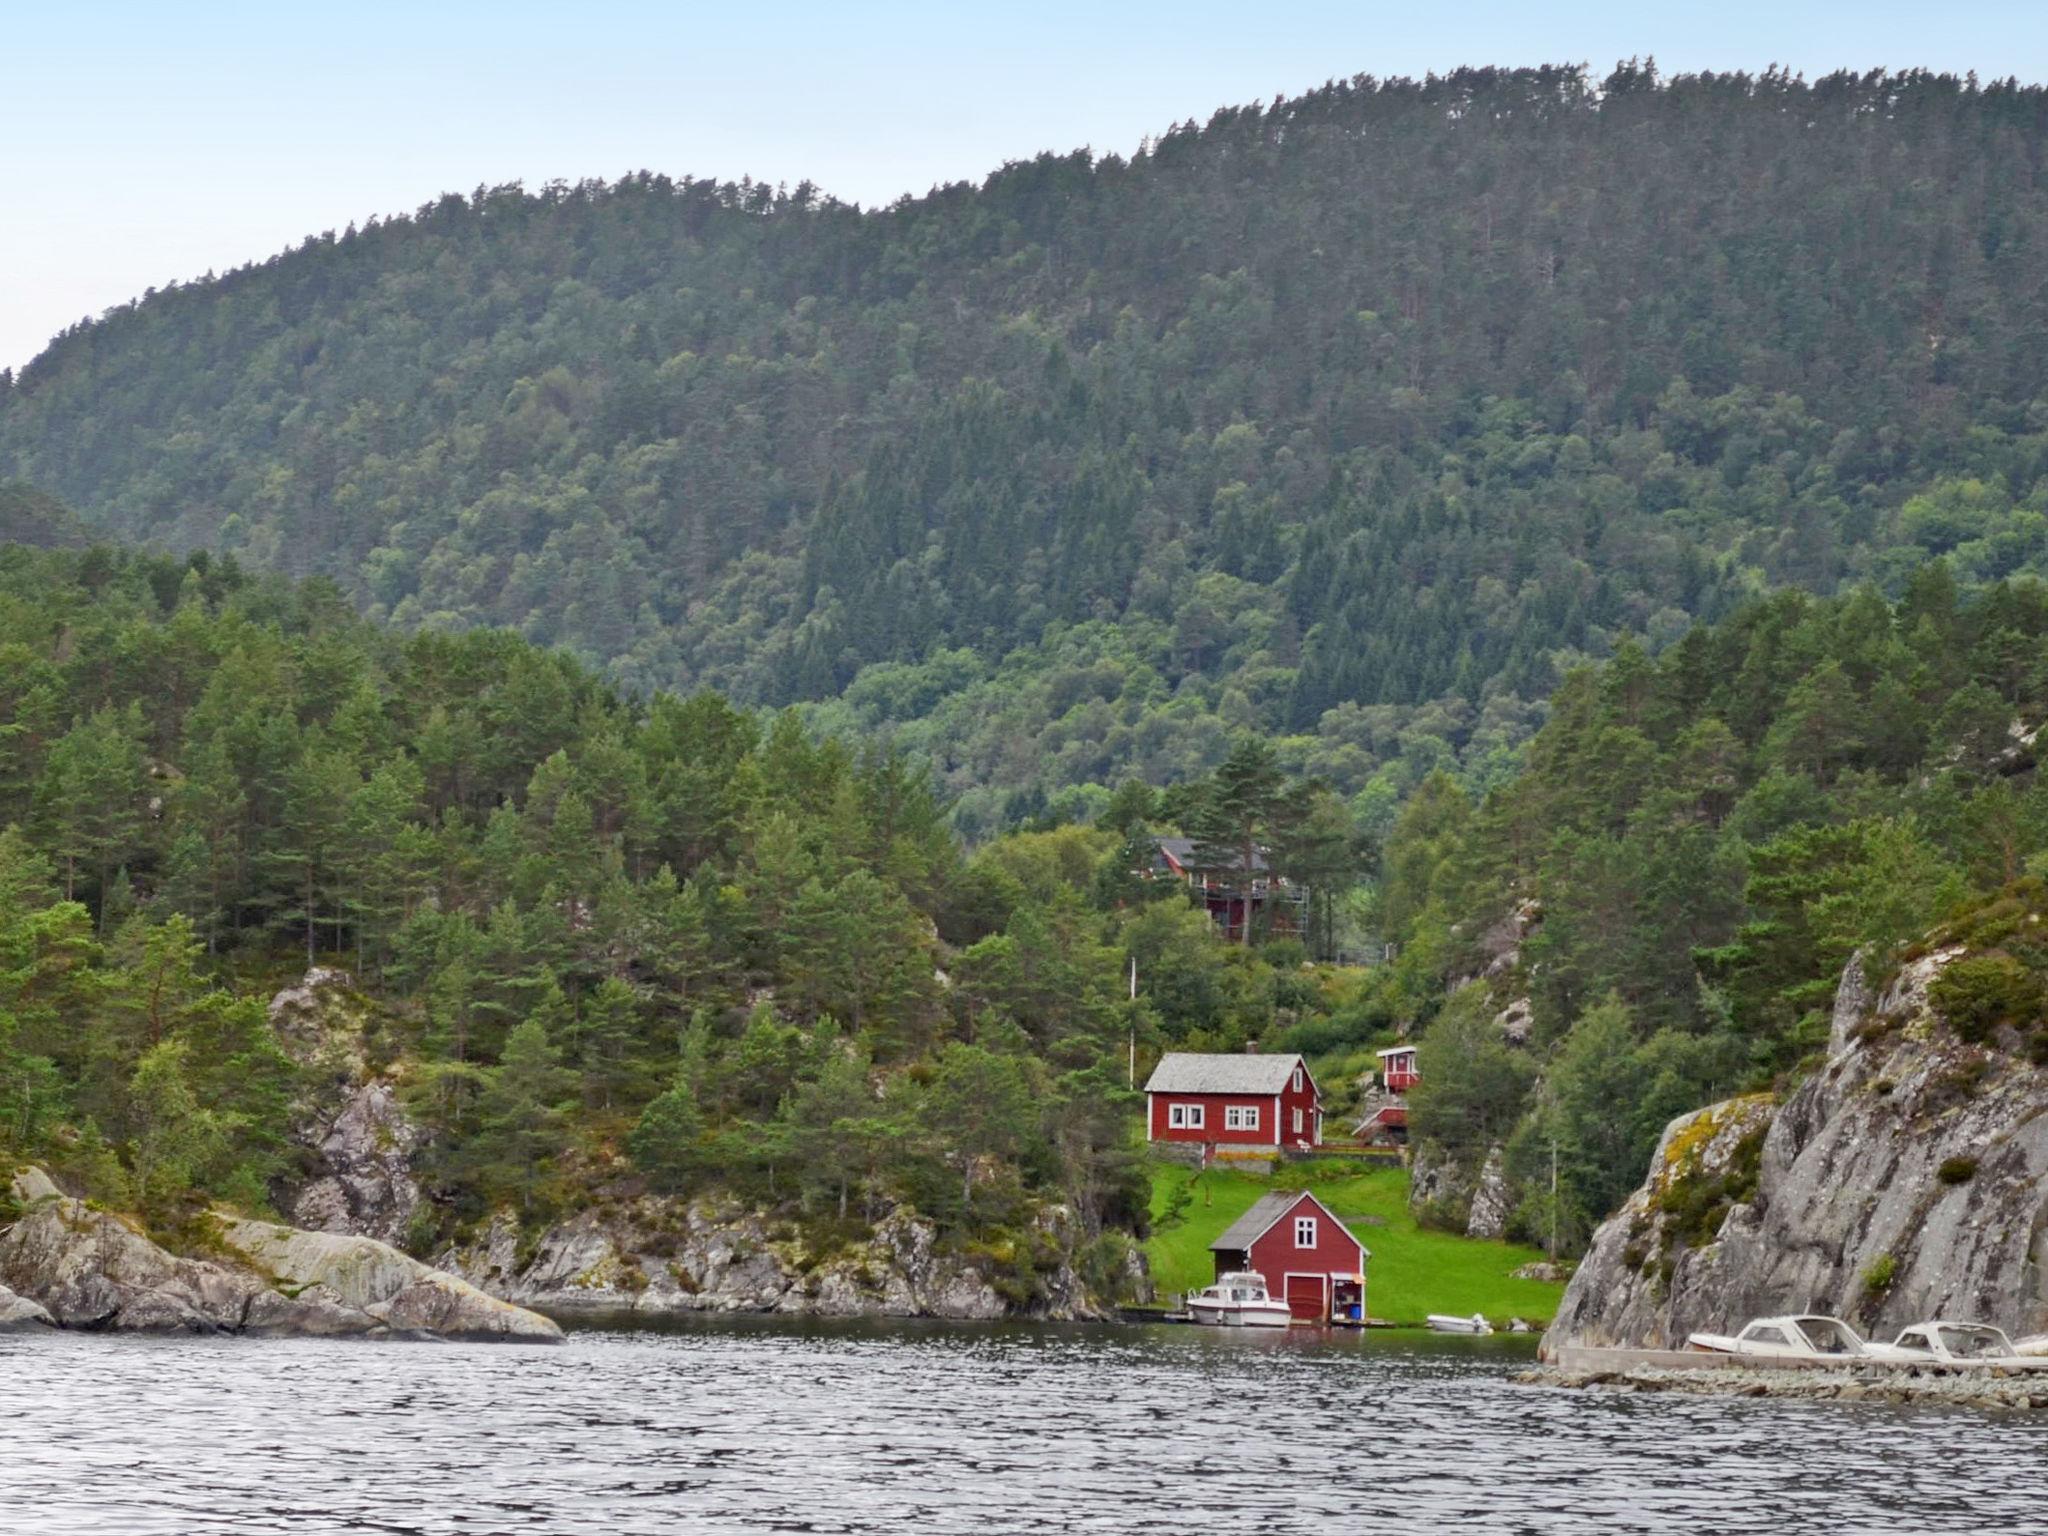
(1412,1272)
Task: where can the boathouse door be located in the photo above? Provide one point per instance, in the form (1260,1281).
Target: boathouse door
(1308,1298)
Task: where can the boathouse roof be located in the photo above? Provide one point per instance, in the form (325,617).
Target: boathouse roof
(1269,1208)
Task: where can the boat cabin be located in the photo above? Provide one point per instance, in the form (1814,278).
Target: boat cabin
(1238,1101)
(1308,1258)
(1954,1341)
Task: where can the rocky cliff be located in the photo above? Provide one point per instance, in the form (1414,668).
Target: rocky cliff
(1905,1179)
(65,1262)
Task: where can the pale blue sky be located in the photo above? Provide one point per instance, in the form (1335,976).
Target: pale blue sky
(141,143)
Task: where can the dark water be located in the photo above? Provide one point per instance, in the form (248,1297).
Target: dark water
(767,1427)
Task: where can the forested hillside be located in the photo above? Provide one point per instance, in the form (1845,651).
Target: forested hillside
(596,940)
(1355,417)
(1696,846)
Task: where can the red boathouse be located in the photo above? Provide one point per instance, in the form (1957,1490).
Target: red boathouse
(1306,1255)
(1233,1101)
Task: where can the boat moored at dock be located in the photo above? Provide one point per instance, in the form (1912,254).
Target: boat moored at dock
(1238,1300)
(1807,1336)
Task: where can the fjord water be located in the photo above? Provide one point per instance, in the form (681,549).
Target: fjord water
(736,1426)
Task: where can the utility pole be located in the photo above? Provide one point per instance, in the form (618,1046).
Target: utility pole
(1553,1197)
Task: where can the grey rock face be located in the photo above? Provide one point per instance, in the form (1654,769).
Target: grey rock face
(1491,1202)
(365,1188)
(1907,1179)
(1432,1176)
(82,1268)
(655,1256)
(90,1270)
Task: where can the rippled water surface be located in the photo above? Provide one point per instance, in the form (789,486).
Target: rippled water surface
(756,1426)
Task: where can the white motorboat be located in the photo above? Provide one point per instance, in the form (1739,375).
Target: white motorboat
(1806,1337)
(1444,1323)
(1238,1300)
(1952,1344)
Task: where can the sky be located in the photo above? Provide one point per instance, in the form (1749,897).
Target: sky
(144,143)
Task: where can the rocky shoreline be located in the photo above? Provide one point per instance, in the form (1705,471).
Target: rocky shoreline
(1990,1390)
(65,1264)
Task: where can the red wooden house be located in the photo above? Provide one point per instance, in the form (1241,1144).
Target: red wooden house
(1233,1101)
(1308,1257)
(1232,895)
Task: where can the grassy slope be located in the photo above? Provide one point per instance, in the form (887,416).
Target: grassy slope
(1413,1271)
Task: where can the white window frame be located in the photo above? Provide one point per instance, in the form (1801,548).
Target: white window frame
(1297,1081)
(1240,1117)
(1183,1117)
(1299,1122)
(1305,1231)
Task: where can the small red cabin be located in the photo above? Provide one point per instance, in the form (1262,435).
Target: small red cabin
(1307,1256)
(1397,1066)
(1235,1101)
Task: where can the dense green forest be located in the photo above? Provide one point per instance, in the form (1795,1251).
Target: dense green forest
(597,939)
(1356,418)
(1697,844)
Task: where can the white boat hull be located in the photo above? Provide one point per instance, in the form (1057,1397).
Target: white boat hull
(1271,1314)
(1440,1323)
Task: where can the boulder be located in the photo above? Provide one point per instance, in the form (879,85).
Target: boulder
(18,1313)
(1907,1178)
(377,1280)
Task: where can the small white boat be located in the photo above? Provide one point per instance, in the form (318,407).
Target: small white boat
(1238,1301)
(1950,1343)
(1443,1323)
(1806,1337)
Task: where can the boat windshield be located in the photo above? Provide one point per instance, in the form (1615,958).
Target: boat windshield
(1829,1337)
(1974,1343)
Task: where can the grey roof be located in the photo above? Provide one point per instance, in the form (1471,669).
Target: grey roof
(1183,851)
(1267,1209)
(1190,1072)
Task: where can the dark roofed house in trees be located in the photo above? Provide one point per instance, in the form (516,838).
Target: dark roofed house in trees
(1233,1101)
(1272,903)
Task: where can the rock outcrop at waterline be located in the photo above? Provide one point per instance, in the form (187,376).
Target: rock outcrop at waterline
(84,1268)
(1906,1179)
(654,1256)
(18,1313)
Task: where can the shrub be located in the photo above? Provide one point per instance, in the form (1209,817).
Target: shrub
(1980,993)
(1957,1170)
(1695,1203)
(1880,1272)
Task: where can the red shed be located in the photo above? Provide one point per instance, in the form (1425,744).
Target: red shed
(1307,1256)
(1237,1101)
(1397,1066)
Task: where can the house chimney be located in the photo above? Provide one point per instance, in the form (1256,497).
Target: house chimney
(1251,1047)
